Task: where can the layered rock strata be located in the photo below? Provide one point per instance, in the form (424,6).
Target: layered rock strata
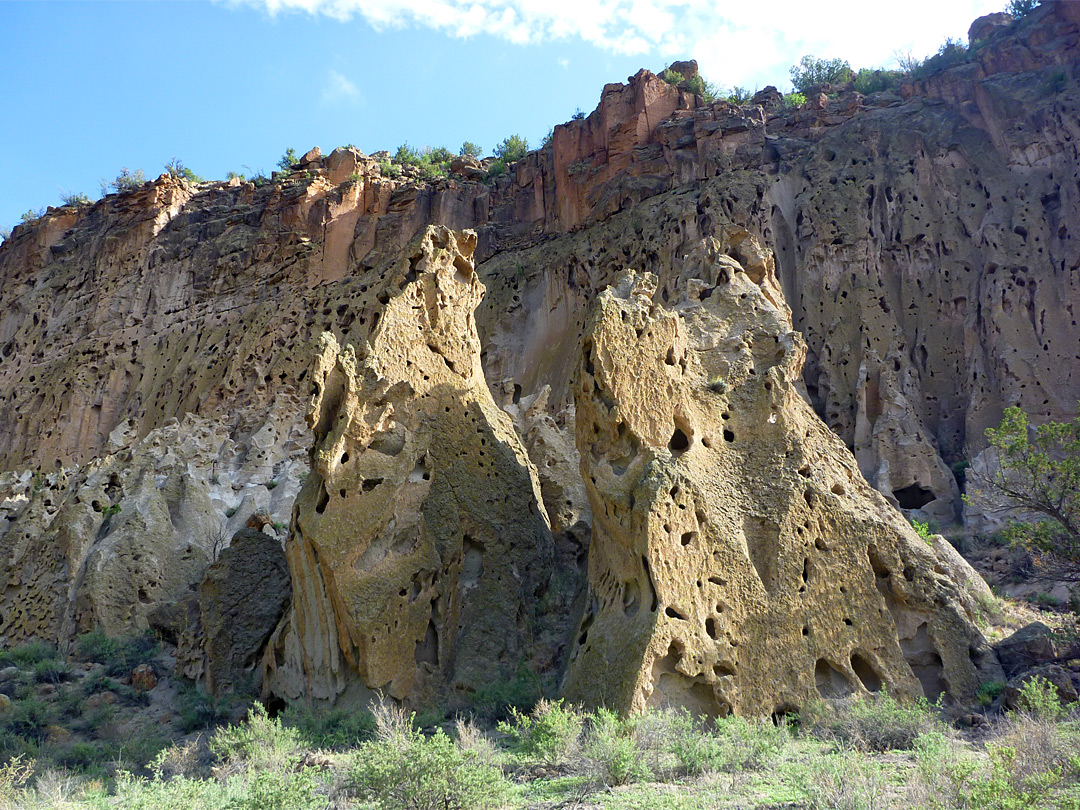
(420,550)
(739,561)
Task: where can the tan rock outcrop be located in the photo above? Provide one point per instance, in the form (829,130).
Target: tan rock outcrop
(739,561)
(419,546)
(104,545)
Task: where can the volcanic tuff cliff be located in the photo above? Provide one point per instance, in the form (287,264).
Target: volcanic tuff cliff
(155,347)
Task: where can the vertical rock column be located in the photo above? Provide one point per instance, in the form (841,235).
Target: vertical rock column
(739,561)
(419,542)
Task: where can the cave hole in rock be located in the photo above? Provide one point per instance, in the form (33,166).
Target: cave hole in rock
(688,538)
(711,629)
(420,472)
(674,614)
(345,457)
(462,270)
(370,484)
(729,436)
(631,598)
(472,561)
(838,489)
(763,547)
(679,442)
(871,681)
(925,662)
(427,651)
(830,681)
(914,496)
(324,499)
(649,582)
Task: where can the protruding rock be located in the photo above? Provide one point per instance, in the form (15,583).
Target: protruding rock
(240,602)
(739,561)
(419,543)
(688,68)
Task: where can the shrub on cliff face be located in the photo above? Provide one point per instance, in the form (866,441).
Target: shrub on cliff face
(952,52)
(1021,8)
(127,180)
(512,149)
(470,149)
(812,72)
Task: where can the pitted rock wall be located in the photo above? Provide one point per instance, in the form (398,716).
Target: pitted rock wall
(739,561)
(419,549)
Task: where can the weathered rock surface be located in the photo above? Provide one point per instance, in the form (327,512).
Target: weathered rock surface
(739,561)
(419,548)
(104,545)
(221,631)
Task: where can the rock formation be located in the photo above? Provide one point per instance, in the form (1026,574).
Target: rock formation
(739,561)
(419,548)
(155,346)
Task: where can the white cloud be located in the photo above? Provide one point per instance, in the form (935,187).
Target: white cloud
(337,89)
(734,41)
(564,63)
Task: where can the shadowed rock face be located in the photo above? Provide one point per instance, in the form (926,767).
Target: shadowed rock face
(739,561)
(419,545)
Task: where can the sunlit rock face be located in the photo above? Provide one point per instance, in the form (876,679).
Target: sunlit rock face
(420,550)
(739,561)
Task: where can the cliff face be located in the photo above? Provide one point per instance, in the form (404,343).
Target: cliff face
(925,242)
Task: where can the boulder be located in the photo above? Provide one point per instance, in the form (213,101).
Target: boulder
(739,562)
(241,600)
(1029,646)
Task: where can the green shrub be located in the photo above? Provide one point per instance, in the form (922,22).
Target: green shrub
(671,76)
(495,701)
(28,654)
(128,180)
(407,155)
(28,718)
(388,169)
(1039,698)
(1055,82)
(497,168)
(844,781)
(288,160)
(512,149)
(872,80)
(32,216)
(329,727)
(51,670)
(119,654)
(404,770)
(923,530)
(812,72)
(989,691)
(707,91)
(280,790)
(550,733)
(72,198)
(1021,8)
(612,749)
(739,95)
(259,743)
(177,169)
(953,52)
(793,100)
(470,149)
(872,723)
(199,710)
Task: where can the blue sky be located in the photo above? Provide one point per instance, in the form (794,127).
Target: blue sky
(227,86)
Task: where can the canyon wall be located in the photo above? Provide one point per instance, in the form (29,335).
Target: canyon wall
(155,346)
